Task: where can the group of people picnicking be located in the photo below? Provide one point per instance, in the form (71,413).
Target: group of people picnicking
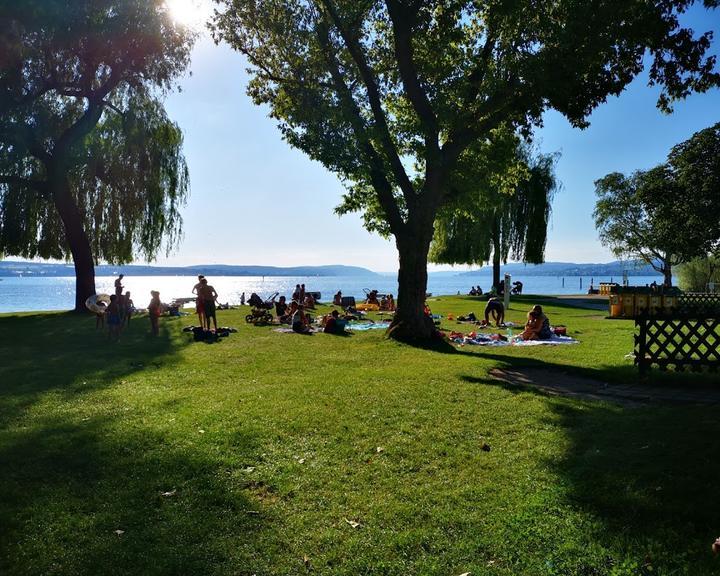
(296,316)
(295,313)
(121,308)
(537,325)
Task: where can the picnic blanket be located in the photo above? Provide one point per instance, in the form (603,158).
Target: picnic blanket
(486,340)
(367,326)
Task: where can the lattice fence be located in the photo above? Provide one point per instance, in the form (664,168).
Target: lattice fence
(681,342)
(699,303)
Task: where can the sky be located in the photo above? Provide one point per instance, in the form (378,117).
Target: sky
(255,200)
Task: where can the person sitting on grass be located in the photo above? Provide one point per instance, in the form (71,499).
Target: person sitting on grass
(537,326)
(334,324)
(300,323)
(114,320)
(337,299)
(154,311)
(281,309)
(309,302)
(373,298)
(496,309)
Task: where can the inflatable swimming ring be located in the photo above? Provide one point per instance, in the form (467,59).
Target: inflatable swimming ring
(93,303)
(368,307)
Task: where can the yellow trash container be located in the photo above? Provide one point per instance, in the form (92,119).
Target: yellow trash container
(615,306)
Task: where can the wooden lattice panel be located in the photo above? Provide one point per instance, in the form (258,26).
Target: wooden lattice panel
(699,303)
(678,342)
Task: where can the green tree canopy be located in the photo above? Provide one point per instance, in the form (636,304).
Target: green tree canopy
(90,165)
(698,274)
(389,94)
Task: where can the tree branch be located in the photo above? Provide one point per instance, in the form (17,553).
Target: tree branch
(382,187)
(368,77)
(409,76)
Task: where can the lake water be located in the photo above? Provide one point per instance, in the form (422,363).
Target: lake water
(38,293)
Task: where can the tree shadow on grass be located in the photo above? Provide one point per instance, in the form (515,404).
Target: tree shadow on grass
(82,492)
(64,353)
(639,481)
(81,498)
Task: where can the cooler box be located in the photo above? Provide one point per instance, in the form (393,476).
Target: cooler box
(346,301)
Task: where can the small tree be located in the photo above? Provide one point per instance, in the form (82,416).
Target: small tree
(505,215)
(90,165)
(389,94)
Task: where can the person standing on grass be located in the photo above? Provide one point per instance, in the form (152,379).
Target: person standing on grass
(199,309)
(114,319)
(119,286)
(209,297)
(129,307)
(154,311)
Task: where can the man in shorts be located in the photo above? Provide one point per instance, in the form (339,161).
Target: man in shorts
(209,297)
(199,301)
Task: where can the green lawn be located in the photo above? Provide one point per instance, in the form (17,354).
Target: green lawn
(272,446)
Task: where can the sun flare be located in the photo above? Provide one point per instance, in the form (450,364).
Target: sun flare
(191,13)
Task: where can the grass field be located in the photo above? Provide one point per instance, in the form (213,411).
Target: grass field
(269,453)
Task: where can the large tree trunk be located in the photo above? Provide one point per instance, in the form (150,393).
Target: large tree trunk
(667,273)
(410,323)
(76,238)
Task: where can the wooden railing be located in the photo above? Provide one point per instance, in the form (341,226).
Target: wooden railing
(678,340)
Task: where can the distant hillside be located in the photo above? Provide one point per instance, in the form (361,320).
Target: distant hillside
(8,268)
(617,268)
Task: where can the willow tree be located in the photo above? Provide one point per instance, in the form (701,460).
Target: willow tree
(506,216)
(90,165)
(388,94)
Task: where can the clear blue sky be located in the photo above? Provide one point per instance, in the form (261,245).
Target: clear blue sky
(246,181)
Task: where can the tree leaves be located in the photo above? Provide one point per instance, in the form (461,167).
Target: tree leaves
(80,89)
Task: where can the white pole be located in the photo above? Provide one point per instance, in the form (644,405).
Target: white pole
(508,279)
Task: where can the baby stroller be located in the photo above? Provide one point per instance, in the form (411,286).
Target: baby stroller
(260,313)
